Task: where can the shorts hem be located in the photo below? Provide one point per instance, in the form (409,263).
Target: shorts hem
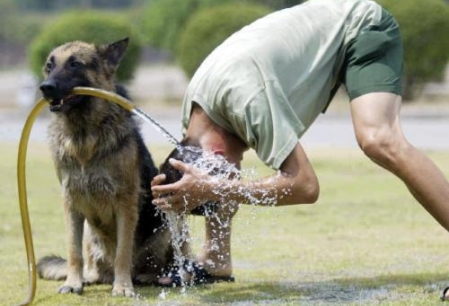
(375,88)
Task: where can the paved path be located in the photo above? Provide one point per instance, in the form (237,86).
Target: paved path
(424,132)
(425,127)
(328,131)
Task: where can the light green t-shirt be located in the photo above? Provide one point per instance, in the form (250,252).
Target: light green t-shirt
(269,81)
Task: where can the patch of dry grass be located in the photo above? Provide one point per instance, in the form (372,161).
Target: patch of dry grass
(366,241)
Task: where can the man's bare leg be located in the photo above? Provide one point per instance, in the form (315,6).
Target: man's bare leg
(216,253)
(379,134)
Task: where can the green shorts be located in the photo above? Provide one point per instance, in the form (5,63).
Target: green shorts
(374,60)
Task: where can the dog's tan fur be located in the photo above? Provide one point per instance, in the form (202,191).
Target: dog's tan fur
(105,171)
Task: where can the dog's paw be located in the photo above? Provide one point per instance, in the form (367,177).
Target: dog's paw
(123,290)
(64,289)
(91,278)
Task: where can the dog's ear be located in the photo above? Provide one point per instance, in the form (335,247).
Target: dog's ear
(113,53)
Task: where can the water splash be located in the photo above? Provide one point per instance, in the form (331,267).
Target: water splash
(180,236)
(226,173)
(223,171)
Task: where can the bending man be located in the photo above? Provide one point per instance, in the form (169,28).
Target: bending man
(265,85)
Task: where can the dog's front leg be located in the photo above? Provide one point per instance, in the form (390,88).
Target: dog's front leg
(126,225)
(74,281)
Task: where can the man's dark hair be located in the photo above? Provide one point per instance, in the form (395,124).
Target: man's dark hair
(186,154)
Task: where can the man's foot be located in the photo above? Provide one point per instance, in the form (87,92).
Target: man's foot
(191,274)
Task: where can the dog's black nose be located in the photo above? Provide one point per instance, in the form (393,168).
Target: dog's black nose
(48,87)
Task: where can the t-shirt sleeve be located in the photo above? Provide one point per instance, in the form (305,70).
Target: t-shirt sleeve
(270,126)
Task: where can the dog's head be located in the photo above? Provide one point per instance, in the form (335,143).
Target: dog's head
(79,64)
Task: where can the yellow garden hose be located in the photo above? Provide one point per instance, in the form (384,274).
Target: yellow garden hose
(21,179)
(21,183)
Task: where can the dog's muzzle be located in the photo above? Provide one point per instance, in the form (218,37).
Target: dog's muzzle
(53,95)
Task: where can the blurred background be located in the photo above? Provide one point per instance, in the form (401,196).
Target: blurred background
(170,38)
(154,67)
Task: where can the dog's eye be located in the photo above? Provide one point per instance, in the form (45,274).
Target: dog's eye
(75,64)
(49,66)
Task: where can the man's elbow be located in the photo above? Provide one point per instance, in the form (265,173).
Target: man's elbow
(312,192)
(308,192)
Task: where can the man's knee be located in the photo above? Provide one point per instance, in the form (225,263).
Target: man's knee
(382,146)
(225,211)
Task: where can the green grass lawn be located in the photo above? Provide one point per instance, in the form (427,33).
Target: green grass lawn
(365,242)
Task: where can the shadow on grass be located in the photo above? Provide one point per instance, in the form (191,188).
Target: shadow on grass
(335,291)
(91,294)
(339,291)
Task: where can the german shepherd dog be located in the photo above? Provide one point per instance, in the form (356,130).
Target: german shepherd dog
(115,234)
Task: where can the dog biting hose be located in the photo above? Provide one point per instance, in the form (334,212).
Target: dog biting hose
(21,171)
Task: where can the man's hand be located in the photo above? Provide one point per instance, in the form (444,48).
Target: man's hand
(193,190)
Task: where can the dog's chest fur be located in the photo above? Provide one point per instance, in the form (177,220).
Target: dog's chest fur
(82,149)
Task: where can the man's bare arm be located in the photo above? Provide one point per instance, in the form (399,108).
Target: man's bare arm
(294,183)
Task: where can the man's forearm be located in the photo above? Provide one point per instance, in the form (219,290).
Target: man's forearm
(279,189)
